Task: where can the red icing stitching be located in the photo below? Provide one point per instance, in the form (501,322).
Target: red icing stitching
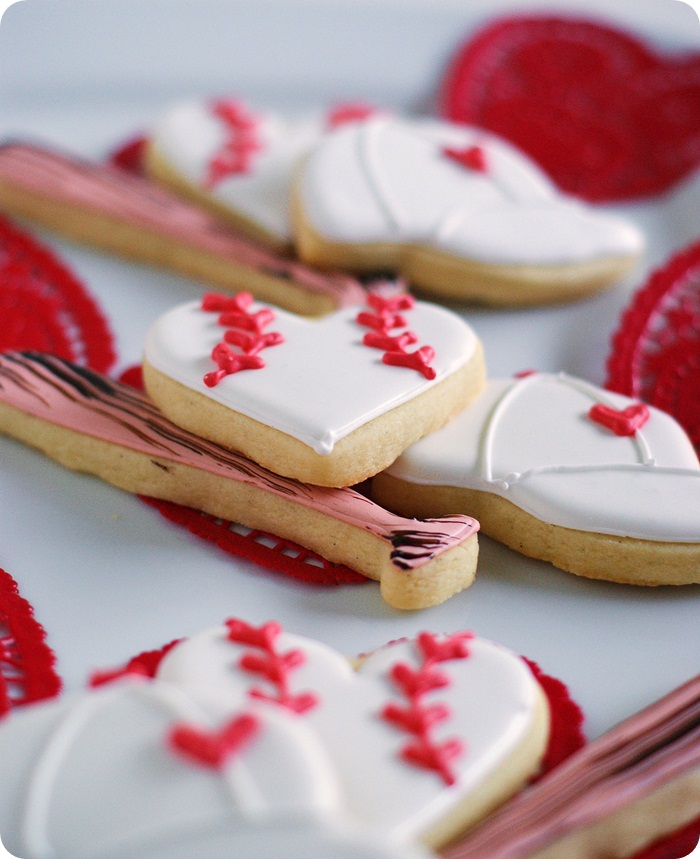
(383,321)
(418,360)
(623,422)
(391,303)
(349,112)
(473,157)
(379,340)
(214,302)
(418,718)
(245,331)
(241,145)
(270,664)
(213,748)
(253,343)
(230,362)
(248,321)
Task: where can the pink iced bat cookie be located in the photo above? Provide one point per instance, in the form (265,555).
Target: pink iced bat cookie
(245,726)
(93,424)
(458,211)
(595,482)
(239,161)
(328,401)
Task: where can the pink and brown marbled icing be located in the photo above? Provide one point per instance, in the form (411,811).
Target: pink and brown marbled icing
(68,194)
(71,397)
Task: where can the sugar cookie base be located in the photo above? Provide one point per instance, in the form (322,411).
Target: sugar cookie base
(447,276)
(161,171)
(337,541)
(625,560)
(364,452)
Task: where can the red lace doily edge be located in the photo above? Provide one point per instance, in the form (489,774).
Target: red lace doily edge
(637,317)
(91,322)
(275,559)
(39,679)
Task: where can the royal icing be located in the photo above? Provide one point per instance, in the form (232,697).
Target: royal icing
(75,398)
(126,198)
(533,441)
(322,382)
(243,158)
(99,773)
(478,702)
(457,189)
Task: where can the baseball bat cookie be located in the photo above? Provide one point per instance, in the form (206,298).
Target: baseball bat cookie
(617,796)
(458,211)
(125,214)
(89,423)
(329,401)
(594,482)
(238,161)
(245,725)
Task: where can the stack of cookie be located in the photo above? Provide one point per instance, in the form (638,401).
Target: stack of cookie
(266,418)
(382,386)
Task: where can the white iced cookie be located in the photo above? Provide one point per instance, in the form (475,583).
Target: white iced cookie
(329,401)
(238,161)
(559,469)
(425,737)
(457,211)
(142,768)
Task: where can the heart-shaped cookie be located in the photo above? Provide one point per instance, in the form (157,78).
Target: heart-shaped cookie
(604,114)
(458,211)
(541,461)
(425,736)
(329,401)
(238,161)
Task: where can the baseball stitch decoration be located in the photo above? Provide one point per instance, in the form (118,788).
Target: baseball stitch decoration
(417,717)
(266,661)
(382,321)
(244,330)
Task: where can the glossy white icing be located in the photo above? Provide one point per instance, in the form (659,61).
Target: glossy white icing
(188,135)
(388,180)
(278,839)
(530,440)
(322,382)
(492,699)
(92,775)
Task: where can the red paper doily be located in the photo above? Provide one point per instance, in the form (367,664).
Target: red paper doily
(27,664)
(655,353)
(603,114)
(264,549)
(43,306)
